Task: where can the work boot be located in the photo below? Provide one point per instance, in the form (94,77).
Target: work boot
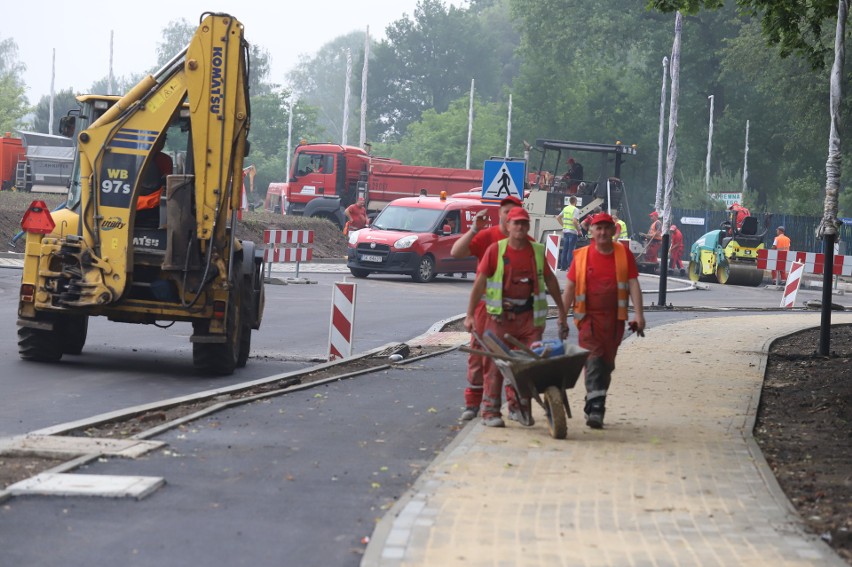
(469,413)
(516,415)
(594,412)
(495,421)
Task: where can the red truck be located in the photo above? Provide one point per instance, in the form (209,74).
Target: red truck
(327,178)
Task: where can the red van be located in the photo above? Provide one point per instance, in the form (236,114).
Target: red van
(413,236)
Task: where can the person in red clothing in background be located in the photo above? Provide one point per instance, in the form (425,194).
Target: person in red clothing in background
(515,279)
(654,238)
(356,216)
(601,279)
(475,242)
(676,249)
(742,213)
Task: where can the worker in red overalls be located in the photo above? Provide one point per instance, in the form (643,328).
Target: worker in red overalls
(475,242)
(600,281)
(654,238)
(742,213)
(515,279)
(676,249)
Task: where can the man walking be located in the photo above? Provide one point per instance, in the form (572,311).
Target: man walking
(570,228)
(515,279)
(781,242)
(600,280)
(474,243)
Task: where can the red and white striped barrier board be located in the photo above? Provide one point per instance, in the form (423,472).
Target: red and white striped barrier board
(782,260)
(794,278)
(288,255)
(279,245)
(342,327)
(551,251)
(288,236)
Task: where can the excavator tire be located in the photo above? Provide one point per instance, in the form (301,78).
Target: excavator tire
(246,318)
(39,345)
(220,359)
(72,331)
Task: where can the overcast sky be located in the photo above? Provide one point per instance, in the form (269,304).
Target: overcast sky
(80,32)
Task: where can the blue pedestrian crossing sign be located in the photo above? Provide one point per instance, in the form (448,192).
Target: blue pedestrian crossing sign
(501,179)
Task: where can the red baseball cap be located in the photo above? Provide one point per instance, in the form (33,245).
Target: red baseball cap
(601,218)
(518,214)
(653,214)
(512,199)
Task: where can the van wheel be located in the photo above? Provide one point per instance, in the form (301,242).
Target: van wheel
(425,271)
(359,272)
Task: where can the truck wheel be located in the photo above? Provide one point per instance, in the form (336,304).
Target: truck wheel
(359,272)
(38,345)
(555,410)
(425,271)
(72,331)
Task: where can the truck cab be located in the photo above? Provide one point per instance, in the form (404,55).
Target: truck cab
(414,236)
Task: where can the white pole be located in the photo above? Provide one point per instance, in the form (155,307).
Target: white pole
(346,95)
(658,202)
(111,84)
(709,147)
(52,95)
(745,163)
(469,126)
(671,156)
(290,135)
(363,137)
(509,127)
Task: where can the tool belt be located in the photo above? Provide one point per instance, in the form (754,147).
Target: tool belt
(510,306)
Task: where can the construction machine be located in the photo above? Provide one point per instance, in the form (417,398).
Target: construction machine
(179,259)
(729,255)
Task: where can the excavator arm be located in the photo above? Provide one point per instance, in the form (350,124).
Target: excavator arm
(210,79)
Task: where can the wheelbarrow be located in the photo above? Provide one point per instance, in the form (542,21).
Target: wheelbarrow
(537,376)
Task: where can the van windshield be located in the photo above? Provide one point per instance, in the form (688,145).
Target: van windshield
(407,219)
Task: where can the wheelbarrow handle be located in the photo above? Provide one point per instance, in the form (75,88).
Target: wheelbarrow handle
(488,354)
(515,342)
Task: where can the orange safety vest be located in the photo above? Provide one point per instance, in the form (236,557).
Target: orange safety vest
(580,259)
(149,201)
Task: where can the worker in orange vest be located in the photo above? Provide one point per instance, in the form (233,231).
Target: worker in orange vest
(601,280)
(152,183)
(781,242)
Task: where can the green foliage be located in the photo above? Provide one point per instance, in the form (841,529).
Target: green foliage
(268,135)
(13,100)
(63,101)
(429,61)
(440,140)
(691,193)
(802,195)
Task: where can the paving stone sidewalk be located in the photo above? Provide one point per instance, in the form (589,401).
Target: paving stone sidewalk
(675,478)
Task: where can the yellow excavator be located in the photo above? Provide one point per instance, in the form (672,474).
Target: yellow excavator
(179,258)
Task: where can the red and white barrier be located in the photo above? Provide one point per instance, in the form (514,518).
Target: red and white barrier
(814,262)
(551,251)
(794,278)
(342,327)
(287,246)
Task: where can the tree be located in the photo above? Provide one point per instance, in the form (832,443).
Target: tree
(440,140)
(178,34)
(320,81)
(63,102)
(13,100)
(795,26)
(427,62)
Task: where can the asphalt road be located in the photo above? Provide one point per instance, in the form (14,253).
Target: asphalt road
(298,479)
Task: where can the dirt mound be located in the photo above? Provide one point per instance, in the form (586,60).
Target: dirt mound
(329,241)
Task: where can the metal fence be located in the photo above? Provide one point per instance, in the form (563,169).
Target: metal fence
(695,223)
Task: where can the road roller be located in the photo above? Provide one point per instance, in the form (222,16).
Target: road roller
(728,255)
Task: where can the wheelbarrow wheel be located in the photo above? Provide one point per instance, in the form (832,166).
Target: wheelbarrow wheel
(555,409)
